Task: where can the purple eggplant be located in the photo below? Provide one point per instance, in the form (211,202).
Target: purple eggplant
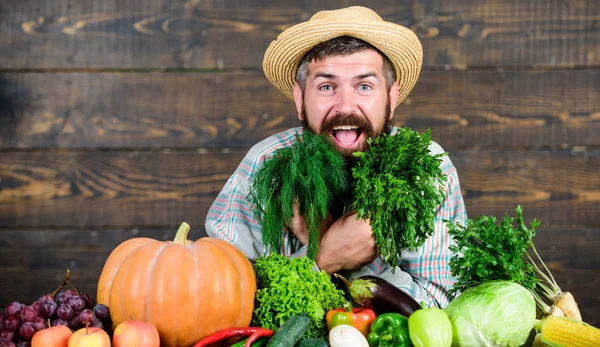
(379,295)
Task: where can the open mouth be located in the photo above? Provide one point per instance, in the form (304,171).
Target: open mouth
(347,136)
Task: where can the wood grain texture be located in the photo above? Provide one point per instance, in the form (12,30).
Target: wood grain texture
(465,109)
(34,262)
(163,188)
(234,34)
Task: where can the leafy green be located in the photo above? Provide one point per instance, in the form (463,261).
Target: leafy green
(397,186)
(484,251)
(494,313)
(311,172)
(290,286)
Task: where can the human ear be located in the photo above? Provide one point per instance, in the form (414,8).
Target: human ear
(393,98)
(298,99)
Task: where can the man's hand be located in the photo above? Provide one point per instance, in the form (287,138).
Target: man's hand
(299,225)
(348,244)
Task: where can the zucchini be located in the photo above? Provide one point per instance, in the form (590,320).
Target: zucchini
(312,343)
(290,331)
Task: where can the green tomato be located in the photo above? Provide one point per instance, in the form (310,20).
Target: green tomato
(430,327)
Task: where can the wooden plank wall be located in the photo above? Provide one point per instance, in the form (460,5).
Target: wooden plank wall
(124,118)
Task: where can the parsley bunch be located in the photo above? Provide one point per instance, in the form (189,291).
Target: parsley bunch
(397,186)
(484,251)
(311,172)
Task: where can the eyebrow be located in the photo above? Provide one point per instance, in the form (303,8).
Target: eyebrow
(332,76)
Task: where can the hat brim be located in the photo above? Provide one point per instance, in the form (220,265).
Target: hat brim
(400,44)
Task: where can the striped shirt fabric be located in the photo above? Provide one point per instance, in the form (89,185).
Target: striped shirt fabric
(424,273)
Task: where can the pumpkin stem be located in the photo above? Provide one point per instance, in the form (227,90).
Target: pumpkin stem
(182,232)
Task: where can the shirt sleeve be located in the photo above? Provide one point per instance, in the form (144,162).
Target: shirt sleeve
(231,219)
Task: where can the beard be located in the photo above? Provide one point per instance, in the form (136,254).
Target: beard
(351,119)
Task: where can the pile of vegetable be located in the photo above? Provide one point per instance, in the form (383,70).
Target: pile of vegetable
(485,251)
(499,281)
(396,184)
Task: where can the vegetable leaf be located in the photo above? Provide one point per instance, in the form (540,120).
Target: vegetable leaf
(485,251)
(398,184)
(290,286)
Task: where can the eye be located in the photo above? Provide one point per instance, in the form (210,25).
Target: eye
(364,87)
(326,87)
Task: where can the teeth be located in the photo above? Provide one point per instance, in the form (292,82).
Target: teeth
(345,127)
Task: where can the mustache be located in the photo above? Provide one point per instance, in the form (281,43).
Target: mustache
(346,119)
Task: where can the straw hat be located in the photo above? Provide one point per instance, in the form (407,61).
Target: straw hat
(400,44)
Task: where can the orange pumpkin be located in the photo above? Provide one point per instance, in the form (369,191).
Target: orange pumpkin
(187,290)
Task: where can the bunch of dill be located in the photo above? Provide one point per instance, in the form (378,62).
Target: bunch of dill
(312,173)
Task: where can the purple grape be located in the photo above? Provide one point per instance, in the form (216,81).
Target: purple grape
(10,323)
(45,297)
(47,309)
(13,309)
(64,311)
(59,321)
(70,293)
(75,323)
(36,305)
(101,311)
(27,330)
(86,316)
(40,323)
(61,298)
(28,314)
(7,344)
(89,301)
(6,335)
(76,303)
(23,344)
(97,323)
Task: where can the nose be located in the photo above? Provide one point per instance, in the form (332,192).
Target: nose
(346,101)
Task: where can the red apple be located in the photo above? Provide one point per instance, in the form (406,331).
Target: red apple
(57,336)
(89,337)
(136,334)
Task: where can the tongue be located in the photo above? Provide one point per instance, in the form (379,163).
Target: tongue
(346,136)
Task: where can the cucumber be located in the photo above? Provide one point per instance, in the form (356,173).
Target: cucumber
(290,331)
(312,343)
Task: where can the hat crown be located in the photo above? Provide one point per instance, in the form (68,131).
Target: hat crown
(352,13)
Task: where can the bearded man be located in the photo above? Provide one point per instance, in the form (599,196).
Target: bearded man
(346,71)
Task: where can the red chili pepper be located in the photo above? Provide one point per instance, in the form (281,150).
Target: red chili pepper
(232,332)
(360,318)
(257,335)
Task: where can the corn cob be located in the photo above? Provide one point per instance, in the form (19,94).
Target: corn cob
(567,332)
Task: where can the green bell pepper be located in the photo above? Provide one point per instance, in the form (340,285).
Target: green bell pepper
(389,330)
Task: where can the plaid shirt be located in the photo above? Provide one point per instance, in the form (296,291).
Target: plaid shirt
(424,273)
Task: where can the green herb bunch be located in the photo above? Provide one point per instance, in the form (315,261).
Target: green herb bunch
(398,184)
(290,286)
(311,172)
(485,251)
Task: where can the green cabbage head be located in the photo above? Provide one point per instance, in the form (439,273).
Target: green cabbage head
(495,313)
